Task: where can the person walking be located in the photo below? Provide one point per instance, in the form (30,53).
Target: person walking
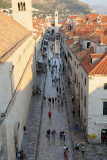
(82,149)
(53,134)
(73,111)
(24,128)
(64,135)
(49,114)
(53,100)
(77,145)
(73,99)
(64,147)
(63,91)
(61,134)
(66,153)
(48,133)
(57,90)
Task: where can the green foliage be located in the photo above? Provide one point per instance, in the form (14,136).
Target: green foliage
(74,6)
(4,4)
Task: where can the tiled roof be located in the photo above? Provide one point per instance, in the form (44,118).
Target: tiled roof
(10,33)
(91,16)
(84,54)
(105,40)
(69,41)
(97,55)
(99,67)
(92,37)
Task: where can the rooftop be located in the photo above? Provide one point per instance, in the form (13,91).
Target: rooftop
(10,33)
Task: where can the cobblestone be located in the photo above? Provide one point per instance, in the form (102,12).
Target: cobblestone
(35,143)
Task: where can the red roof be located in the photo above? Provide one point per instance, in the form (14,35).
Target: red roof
(99,67)
(69,41)
(84,54)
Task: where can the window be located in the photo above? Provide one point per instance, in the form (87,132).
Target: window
(81,93)
(105,85)
(75,77)
(104,108)
(75,63)
(21,6)
(85,81)
(24,8)
(82,75)
(18,6)
(84,101)
(88,44)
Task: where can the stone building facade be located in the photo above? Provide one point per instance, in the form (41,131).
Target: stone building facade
(17,73)
(87,72)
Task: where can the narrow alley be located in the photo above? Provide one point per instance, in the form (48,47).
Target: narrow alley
(36,144)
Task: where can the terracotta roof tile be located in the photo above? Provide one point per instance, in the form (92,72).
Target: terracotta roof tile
(69,41)
(84,54)
(10,33)
(105,40)
(99,67)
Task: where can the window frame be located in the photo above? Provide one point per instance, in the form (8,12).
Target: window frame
(105,108)
(85,101)
(88,44)
(105,86)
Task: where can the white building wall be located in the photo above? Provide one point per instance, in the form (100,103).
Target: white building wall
(23,17)
(11,77)
(97,95)
(18,91)
(84,43)
(101,48)
(84,92)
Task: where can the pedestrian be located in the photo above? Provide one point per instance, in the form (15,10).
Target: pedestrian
(77,145)
(58,99)
(63,91)
(64,133)
(18,155)
(24,128)
(66,153)
(64,147)
(72,99)
(53,134)
(52,100)
(73,111)
(49,114)
(49,99)
(44,98)
(22,154)
(33,92)
(60,90)
(48,133)
(57,89)
(103,137)
(82,149)
(61,134)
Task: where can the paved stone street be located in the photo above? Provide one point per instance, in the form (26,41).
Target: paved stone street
(35,143)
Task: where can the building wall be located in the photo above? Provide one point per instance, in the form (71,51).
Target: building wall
(15,92)
(84,92)
(101,48)
(23,17)
(84,43)
(97,95)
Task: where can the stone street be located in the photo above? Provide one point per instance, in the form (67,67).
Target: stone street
(35,144)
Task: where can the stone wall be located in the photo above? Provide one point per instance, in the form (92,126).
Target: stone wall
(15,92)
(97,95)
